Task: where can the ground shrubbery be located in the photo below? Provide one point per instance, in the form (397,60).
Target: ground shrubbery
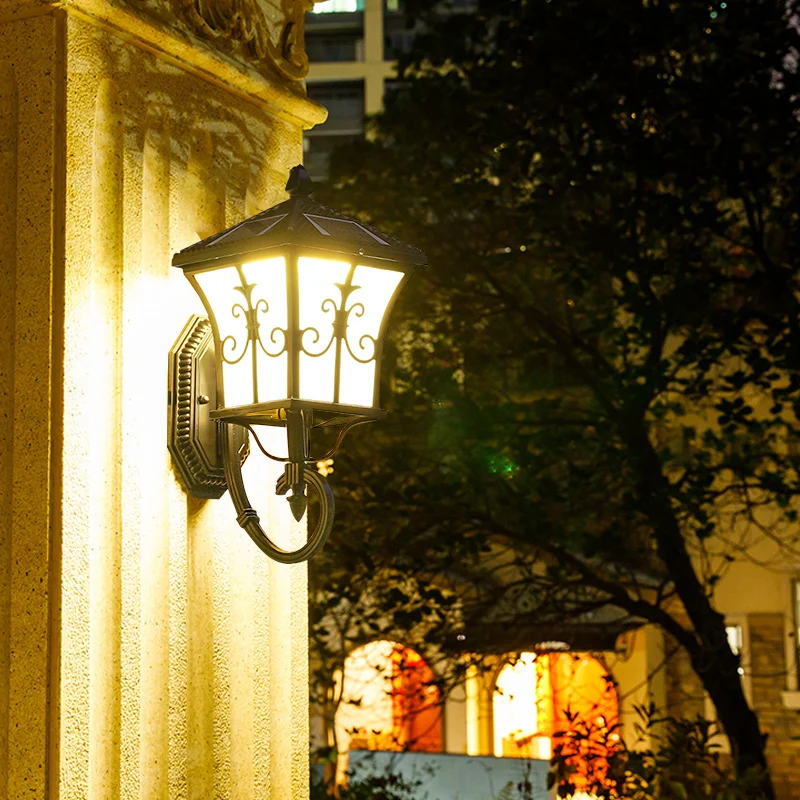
(683,762)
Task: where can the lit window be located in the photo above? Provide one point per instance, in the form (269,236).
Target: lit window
(737,633)
(539,696)
(735,641)
(521,706)
(337,6)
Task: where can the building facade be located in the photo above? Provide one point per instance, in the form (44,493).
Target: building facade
(147,649)
(352,46)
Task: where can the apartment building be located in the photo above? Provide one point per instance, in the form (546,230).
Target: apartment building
(351,45)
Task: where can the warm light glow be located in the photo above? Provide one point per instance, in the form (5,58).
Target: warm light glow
(365,713)
(366,293)
(376,289)
(269,279)
(220,298)
(584,702)
(319,296)
(521,716)
(225,296)
(389,701)
(333,297)
(474,710)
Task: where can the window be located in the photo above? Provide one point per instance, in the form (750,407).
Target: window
(738,633)
(545,700)
(317,153)
(735,641)
(345,104)
(521,706)
(337,6)
(345,123)
(334,47)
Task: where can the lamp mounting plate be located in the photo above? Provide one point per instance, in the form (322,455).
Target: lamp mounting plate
(194,442)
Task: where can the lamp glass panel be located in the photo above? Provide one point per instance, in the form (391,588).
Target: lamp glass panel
(224,303)
(318,299)
(368,305)
(270,305)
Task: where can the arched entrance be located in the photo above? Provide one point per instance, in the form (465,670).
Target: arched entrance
(389,701)
(557,700)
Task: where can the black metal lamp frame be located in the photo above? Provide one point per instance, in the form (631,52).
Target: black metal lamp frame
(208,440)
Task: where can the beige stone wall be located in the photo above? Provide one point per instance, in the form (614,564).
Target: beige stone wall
(766,671)
(147,648)
(29,429)
(780,724)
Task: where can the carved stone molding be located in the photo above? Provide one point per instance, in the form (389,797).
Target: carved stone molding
(269,34)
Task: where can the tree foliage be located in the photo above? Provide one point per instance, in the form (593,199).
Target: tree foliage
(594,385)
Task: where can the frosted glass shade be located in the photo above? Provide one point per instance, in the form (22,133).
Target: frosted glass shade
(298,327)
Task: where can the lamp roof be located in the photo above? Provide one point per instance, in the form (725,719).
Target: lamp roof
(301,221)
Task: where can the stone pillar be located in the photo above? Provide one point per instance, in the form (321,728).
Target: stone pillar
(147,648)
(479,688)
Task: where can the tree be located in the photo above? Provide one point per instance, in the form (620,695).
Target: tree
(595,380)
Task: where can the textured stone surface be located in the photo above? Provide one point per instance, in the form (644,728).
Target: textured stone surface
(781,725)
(28,563)
(147,648)
(766,673)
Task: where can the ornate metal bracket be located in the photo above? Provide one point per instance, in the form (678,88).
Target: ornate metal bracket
(247,517)
(208,455)
(193,438)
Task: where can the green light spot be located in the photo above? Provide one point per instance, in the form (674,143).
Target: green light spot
(501,465)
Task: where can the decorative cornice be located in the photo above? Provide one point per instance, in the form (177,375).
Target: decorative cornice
(256,47)
(277,39)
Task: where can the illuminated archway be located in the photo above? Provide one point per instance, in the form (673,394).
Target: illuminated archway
(522,708)
(585,715)
(565,700)
(389,701)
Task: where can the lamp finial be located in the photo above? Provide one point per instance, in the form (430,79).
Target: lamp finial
(299,183)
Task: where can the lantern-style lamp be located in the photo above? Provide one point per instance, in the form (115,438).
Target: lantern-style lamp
(298,299)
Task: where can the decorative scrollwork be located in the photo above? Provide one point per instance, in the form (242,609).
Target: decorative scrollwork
(247,22)
(233,350)
(340,325)
(230,343)
(313,342)
(315,336)
(247,516)
(371,351)
(274,341)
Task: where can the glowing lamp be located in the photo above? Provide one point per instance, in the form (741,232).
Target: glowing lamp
(298,299)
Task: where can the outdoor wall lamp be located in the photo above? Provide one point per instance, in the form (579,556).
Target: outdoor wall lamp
(298,299)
